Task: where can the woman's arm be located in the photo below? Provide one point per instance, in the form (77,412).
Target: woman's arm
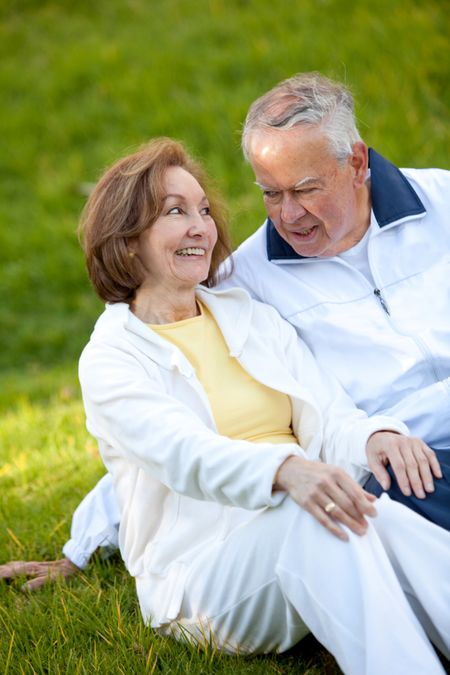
(129,410)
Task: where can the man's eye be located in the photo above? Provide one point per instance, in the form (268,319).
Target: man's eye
(305,191)
(270,194)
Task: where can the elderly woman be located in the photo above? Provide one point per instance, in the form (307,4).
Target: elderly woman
(215,424)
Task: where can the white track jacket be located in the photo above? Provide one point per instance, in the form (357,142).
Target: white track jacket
(388,344)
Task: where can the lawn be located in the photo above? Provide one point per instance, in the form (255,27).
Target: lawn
(81,84)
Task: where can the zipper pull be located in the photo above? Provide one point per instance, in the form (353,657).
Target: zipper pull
(382,301)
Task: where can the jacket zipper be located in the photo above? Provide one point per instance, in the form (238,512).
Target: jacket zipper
(382,301)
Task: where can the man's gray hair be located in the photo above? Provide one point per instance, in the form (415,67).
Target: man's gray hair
(306,99)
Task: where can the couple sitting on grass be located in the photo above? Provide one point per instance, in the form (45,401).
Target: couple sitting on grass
(251,500)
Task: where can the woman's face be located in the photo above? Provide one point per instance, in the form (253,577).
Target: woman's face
(176,249)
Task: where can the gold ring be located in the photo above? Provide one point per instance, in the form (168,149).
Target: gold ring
(329,507)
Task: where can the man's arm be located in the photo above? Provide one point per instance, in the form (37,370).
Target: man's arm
(426,412)
(95,524)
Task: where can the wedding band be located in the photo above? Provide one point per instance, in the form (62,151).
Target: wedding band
(329,507)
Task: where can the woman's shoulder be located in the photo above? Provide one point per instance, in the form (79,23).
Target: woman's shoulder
(110,337)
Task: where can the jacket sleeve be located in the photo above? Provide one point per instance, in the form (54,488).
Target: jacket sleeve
(427,413)
(135,419)
(95,524)
(346,428)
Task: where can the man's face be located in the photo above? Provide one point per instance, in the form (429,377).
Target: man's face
(318,205)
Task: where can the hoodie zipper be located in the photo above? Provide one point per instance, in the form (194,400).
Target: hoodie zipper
(382,301)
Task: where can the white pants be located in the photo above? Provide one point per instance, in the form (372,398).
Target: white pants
(282,574)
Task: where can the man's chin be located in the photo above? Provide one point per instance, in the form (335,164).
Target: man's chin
(307,244)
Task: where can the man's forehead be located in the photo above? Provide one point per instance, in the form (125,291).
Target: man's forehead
(290,155)
(262,139)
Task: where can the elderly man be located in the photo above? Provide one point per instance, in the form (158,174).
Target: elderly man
(356,255)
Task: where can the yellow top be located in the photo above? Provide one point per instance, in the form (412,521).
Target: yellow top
(242,407)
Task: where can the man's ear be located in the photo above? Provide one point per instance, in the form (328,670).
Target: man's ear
(359,161)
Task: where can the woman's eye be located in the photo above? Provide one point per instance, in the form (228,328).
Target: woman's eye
(206,211)
(174,210)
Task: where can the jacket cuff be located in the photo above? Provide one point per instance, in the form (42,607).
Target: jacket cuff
(76,554)
(293,450)
(372,425)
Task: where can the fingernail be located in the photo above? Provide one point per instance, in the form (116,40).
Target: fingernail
(407,491)
(429,487)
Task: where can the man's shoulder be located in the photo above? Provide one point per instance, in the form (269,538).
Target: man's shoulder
(430,184)
(255,244)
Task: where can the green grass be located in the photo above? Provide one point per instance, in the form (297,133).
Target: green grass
(81,84)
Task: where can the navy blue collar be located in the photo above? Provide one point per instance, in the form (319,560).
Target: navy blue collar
(392,196)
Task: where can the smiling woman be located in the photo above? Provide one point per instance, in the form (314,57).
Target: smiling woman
(176,251)
(140,191)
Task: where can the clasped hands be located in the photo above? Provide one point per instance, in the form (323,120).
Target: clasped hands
(330,495)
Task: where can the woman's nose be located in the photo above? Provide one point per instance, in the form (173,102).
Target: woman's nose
(197,226)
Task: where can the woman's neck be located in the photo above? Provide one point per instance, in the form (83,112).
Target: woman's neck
(159,306)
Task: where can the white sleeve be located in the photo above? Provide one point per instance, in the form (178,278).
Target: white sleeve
(427,413)
(95,523)
(135,419)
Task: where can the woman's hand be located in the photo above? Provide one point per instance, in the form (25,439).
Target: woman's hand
(414,464)
(328,493)
(41,572)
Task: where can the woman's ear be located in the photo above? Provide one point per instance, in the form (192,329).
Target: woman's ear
(132,246)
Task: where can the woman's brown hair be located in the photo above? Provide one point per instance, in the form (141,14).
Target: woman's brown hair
(126,201)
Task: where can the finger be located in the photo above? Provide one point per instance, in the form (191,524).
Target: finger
(379,471)
(324,519)
(356,523)
(433,462)
(55,572)
(407,467)
(424,469)
(36,583)
(354,500)
(17,568)
(398,466)
(339,506)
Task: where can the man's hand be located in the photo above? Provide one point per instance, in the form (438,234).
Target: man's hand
(414,464)
(328,493)
(41,572)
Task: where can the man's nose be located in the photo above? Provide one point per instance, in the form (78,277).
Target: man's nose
(291,209)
